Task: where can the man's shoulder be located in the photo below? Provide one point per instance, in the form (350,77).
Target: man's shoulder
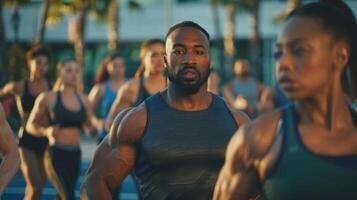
(129,124)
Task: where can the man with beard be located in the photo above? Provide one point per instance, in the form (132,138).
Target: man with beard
(174,142)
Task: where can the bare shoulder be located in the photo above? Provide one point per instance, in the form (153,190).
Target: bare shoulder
(253,140)
(128,126)
(240,117)
(131,86)
(46,98)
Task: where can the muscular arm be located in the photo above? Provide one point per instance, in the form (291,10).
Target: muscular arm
(8,148)
(238,179)
(115,156)
(250,155)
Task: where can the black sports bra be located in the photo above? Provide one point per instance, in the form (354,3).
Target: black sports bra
(66,118)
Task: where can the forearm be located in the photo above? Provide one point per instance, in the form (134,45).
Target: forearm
(9,167)
(37,129)
(95,188)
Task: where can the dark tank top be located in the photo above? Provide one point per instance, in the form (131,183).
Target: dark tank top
(181,152)
(302,174)
(66,118)
(27,99)
(143,93)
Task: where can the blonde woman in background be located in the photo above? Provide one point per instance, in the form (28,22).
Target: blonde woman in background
(67,110)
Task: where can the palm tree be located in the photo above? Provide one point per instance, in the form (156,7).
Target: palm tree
(229,49)
(113,24)
(40,32)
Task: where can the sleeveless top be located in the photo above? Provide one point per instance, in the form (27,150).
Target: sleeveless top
(143,93)
(27,99)
(248,89)
(301,174)
(66,118)
(181,152)
(107,100)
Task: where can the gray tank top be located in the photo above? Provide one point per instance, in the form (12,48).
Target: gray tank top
(181,152)
(248,89)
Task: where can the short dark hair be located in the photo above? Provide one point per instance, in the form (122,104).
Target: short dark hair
(37,51)
(187,24)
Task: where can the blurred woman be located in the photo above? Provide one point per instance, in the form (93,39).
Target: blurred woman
(31,147)
(109,78)
(308,149)
(148,80)
(67,111)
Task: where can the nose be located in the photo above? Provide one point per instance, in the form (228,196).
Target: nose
(284,62)
(189,58)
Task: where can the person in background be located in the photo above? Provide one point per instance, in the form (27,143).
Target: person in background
(148,80)
(243,91)
(60,115)
(109,78)
(31,147)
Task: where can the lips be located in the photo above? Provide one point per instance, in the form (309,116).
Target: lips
(286,83)
(189,73)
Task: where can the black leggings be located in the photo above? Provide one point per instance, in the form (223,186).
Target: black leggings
(62,163)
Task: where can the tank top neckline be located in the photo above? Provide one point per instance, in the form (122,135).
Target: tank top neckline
(212,103)
(297,137)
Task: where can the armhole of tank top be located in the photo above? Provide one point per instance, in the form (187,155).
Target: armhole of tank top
(146,125)
(230,112)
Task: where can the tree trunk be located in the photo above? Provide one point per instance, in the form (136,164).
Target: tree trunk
(218,32)
(79,39)
(229,39)
(255,51)
(40,33)
(292,4)
(3,55)
(113,25)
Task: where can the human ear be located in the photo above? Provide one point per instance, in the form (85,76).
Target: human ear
(342,54)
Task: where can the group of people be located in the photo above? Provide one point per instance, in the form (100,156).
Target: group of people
(181,141)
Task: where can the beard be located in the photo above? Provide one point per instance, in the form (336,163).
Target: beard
(187,86)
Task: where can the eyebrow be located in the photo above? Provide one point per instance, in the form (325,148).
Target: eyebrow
(184,46)
(292,42)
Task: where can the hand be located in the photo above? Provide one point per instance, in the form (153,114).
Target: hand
(240,103)
(52,132)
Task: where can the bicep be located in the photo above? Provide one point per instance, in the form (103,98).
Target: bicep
(112,164)
(238,178)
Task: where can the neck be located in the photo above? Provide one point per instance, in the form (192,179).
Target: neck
(183,101)
(155,78)
(328,110)
(36,77)
(67,88)
(118,79)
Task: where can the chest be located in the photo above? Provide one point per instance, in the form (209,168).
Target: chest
(175,137)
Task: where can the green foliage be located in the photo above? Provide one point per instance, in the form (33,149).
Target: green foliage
(16,3)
